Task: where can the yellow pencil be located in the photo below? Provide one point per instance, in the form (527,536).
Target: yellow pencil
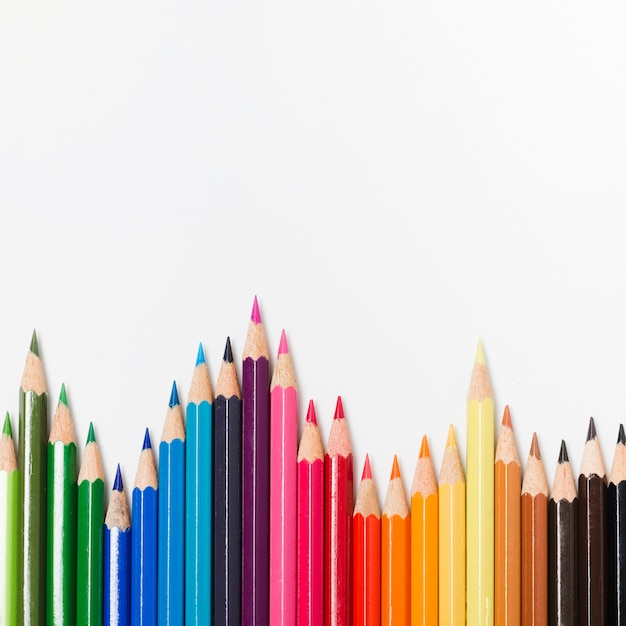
(480,496)
(451,536)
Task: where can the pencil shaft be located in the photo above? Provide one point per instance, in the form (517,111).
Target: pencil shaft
(367,570)
(534,560)
(616,552)
(9,498)
(117,546)
(227,520)
(395,595)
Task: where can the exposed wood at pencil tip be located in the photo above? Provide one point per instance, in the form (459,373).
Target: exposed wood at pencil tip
(8,460)
(451,466)
(33,378)
(146,471)
(284,375)
(618,468)
(117,514)
(506,448)
(227,382)
(311,448)
(366,500)
(480,387)
(534,482)
(339,439)
(200,389)
(256,343)
(174,427)
(91,466)
(62,426)
(564,483)
(424,480)
(395,501)
(592,462)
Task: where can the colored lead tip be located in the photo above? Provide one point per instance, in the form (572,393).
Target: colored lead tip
(395,468)
(200,358)
(256,315)
(339,409)
(563,458)
(34,346)
(6,428)
(91,437)
(311,418)
(534,447)
(146,441)
(621,436)
(367,470)
(506,418)
(424,451)
(228,351)
(118,485)
(451,441)
(480,355)
(174,396)
(63,395)
(591,433)
(283,348)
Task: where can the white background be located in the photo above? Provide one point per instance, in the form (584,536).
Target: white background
(393,180)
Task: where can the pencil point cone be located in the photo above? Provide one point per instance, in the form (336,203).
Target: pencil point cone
(283,348)
(173,396)
(591,432)
(147,445)
(311,418)
(621,436)
(395,468)
(451,441)
(563,458)
(63,395)
(91,437)
(118,485)
(534,447)
(256,315)
(480,355)
(506,418)
(228,351)
(34,345)
(339,410)
(200,358)
(424,451)
(367,470)
(6,428)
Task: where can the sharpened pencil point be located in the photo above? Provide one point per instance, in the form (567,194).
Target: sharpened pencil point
(395,468)
(228,351)
(339,410)
(563,458)
(200,358)
(6,429)
(480,355)
(34,345)
(174,396)
(506,418)
(283,348)
(63,395)
(310,414)
(256,315)
(424,451)
(367,470)
(451,441)
(146,441)
(91,437)
(534,447)
(118,485)
(591,432)
(621,436)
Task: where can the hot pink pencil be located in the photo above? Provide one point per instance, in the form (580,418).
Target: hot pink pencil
(310,588)
(283,489)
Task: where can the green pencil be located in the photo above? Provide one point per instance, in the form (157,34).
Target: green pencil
(9,490)
(90,536)
(32,466)
(61,563)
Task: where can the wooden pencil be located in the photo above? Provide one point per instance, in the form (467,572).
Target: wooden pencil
(9,496)
(32,464)
(310,524)
(171,518)
(395,595)
(507,500)
(62,515)
(283,488)
(89,535)
(117,557)
(616,534)
(591,532)
(424,542)
(255,467)
(451,492)
(480,496)
(563,545)
(227,495)
(366,553)
(199,496)
(143,575)
(534,540)
(338,511)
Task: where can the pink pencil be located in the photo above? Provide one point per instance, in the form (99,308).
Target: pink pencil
(283,488)
(310,594)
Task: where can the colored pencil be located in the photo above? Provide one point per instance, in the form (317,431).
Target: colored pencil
(534,540)
(32,464)
(507,499)
(591,532)
(563,545)
(338,511)
(283,488)
(310,524)
(255,467)
(367,553)
(117,557)
(9,496)
(90,535)
(227,495)
(199,496)
(616,534)
(424,541)
(171,518)
(480,496)
(395,595)
(451,536)
(143,574)
(62,515)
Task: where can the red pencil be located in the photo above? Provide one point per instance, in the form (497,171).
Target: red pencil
(338,510)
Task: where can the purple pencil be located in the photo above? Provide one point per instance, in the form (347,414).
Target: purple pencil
(255,461)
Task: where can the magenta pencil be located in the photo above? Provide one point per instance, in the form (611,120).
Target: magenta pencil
(310,521)
(283,489)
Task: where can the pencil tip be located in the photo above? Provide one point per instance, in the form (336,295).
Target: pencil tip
(591,432)
(424,451)
(339,409)
(118,485)
(283,348)
(6,428)
(174,396)
(563,458)
(147,445)
(395,468)
(63,395)
(534,447)
(34,345)
(228,351)
(506,418)
(256,315)
(367,470)
(451,441)
(621,436)
(310,414)
(91,437)
(480,355)
(200,358)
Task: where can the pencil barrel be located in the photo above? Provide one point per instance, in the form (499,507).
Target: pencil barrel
(9,498)
(616,552)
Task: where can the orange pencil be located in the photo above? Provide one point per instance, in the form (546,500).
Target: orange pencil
(424,542)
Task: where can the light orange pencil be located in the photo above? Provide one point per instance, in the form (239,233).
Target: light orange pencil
(396,554)
(507,485)
(424,542)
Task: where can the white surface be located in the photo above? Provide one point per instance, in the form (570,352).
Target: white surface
(394,180)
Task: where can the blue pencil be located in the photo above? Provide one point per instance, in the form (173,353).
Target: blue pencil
(171,522)
(117,557)
(199,504)
(143,585)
